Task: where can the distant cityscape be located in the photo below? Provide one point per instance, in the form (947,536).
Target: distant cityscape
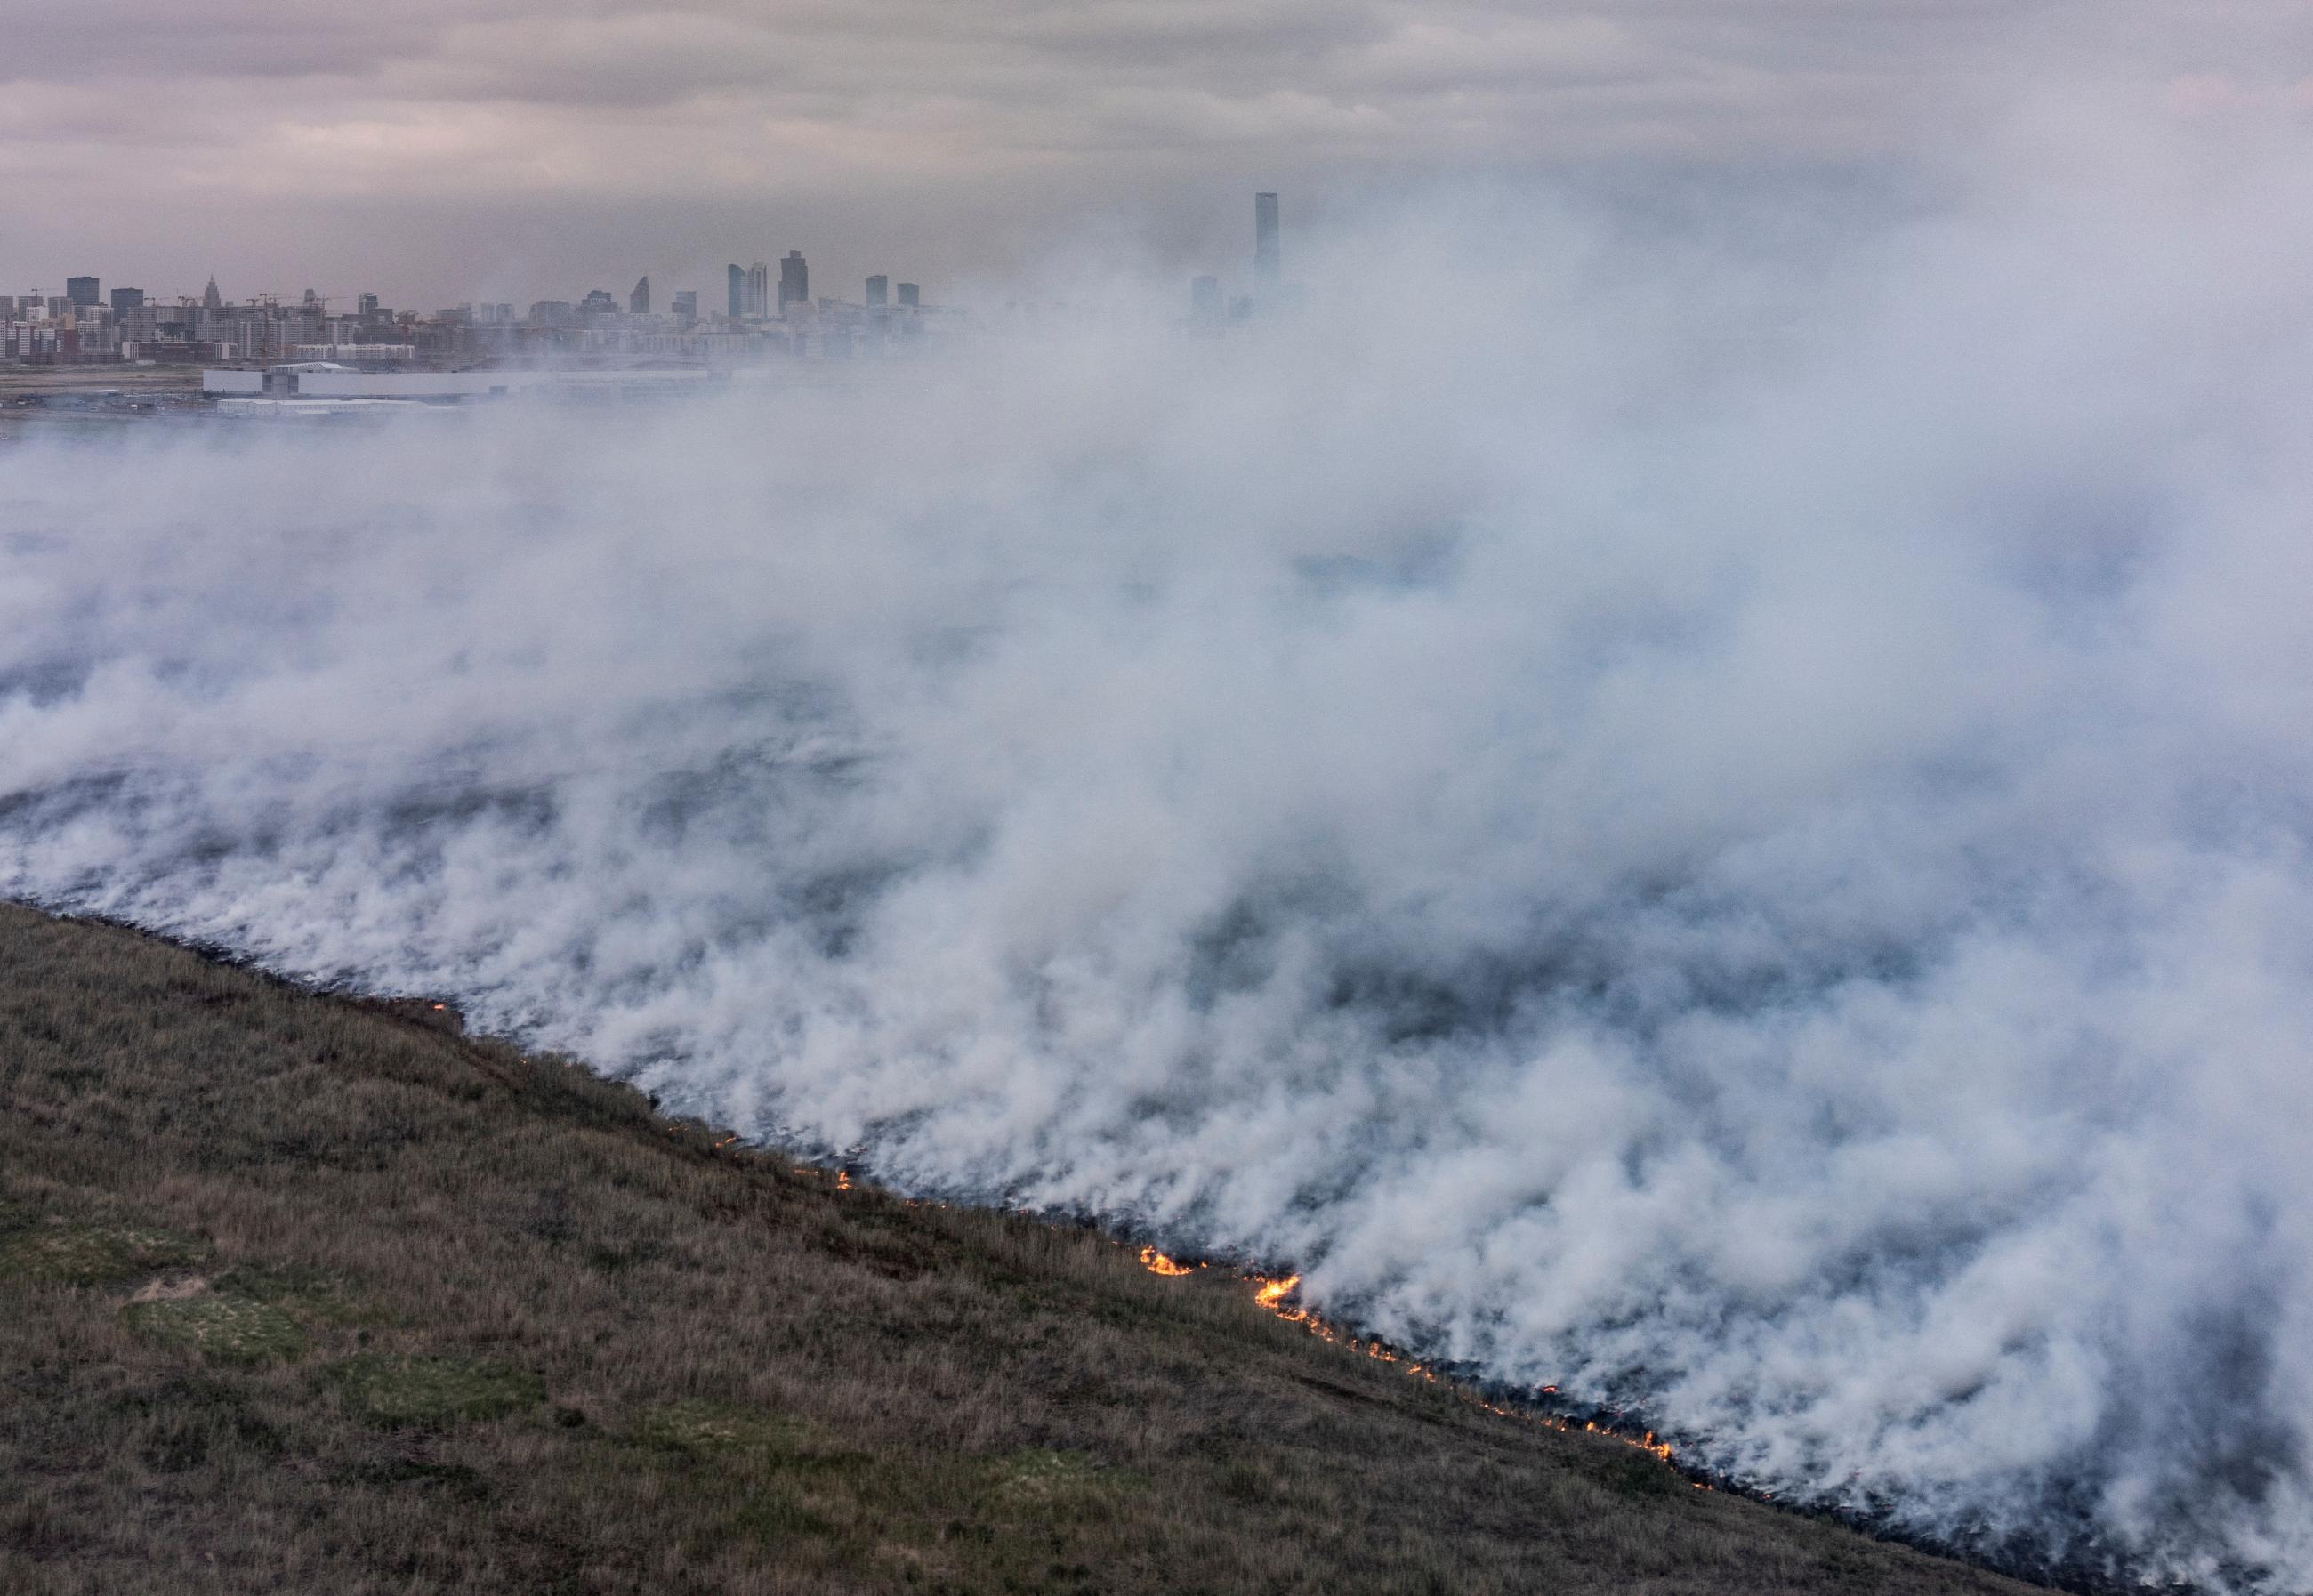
(88,324)
(759,317)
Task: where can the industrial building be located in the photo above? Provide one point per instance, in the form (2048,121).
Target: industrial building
(327,380)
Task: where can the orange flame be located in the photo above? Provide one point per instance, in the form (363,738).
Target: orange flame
(1272,1294)
(843,1180)
(1157,1263)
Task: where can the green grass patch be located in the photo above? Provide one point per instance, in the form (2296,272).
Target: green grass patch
(1048,1485)
(719,1427)
(60,1254)
(395,1391)
(752,1478)
(314,1298)
(224,1326)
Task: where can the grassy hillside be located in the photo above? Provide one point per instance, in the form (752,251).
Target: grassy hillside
(304,1294)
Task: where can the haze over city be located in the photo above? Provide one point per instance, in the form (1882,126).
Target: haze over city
(444,150)
(1622,696)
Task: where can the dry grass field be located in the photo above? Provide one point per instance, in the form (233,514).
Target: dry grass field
(305,1294)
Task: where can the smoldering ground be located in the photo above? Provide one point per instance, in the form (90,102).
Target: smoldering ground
(1724,827)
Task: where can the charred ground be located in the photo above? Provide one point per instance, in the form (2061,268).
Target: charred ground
(298,1292)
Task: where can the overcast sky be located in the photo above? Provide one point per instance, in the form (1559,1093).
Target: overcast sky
(442,150)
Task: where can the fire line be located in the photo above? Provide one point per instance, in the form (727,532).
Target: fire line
(1274,1294)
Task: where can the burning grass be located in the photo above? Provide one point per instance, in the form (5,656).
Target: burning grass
(302,1293)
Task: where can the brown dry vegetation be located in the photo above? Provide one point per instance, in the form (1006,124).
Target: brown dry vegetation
(304,1294)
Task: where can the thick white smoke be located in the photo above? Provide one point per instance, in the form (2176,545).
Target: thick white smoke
(1725,827)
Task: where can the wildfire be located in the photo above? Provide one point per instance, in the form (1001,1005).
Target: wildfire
(1157,1263)
(1274,1294)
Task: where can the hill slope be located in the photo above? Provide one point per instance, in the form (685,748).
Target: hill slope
(304,1293)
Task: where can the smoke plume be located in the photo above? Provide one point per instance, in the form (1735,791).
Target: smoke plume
(1720,823)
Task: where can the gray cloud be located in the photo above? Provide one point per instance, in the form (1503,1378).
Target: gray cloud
(346,147)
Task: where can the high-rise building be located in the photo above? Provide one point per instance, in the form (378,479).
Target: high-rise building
(82,293)
(794,281)
(758,289)
(686,307)
(639,302)
(736,276)
(210,298)
(879,290)
(911,297)
(1205,299)
(1267,264)
(125,300)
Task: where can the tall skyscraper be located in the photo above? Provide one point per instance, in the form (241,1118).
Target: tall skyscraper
(1267,266)
(211,299)
(909,295)
(737,277)
(879,290)
(758,289)
(365,307)
(81,292)
(639,302)
(794,281)
(686,307)
(125,300)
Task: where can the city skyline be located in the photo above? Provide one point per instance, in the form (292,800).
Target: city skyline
(748,289)
(88,326)
(266,351)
